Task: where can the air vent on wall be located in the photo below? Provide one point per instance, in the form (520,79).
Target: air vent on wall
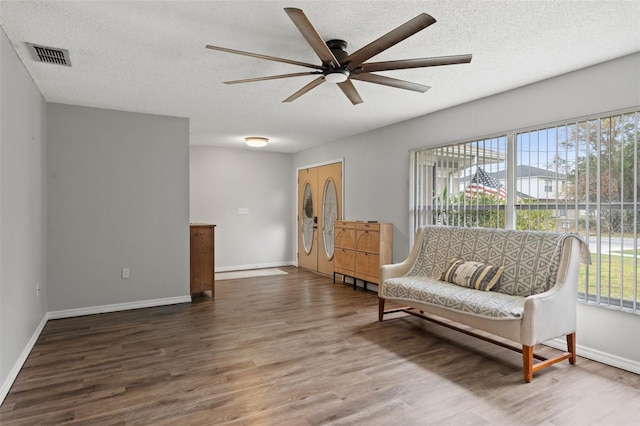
(49,55)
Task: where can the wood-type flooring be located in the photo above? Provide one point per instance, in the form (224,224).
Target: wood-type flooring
(297,349)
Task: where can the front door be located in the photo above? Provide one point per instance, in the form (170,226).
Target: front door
(319,205)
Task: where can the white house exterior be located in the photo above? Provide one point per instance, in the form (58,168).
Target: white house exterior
(539,184)
(531,183)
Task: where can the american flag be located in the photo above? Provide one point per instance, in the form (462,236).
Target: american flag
(483,183)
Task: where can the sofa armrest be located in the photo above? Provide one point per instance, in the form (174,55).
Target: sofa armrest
(553,313)
(402,268)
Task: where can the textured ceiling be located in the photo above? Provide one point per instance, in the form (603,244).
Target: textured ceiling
(149,56)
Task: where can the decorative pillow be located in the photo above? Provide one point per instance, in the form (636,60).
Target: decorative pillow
(477,275)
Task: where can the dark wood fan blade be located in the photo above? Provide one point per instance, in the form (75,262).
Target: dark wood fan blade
(318,81)
(392,38)
(414,63)
(259,56)
(350,91)
(311,35)
(393,82)
(272,77)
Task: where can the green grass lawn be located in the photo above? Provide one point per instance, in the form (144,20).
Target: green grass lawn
(616,272)
(631,251)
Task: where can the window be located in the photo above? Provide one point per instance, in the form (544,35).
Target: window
(454,185)
(581,176)
(548,185)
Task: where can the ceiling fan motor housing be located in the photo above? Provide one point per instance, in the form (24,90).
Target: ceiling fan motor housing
(337,74)
(338,48)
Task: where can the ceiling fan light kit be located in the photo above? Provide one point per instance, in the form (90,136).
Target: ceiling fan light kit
(340,67)
(256,141)
(336,76)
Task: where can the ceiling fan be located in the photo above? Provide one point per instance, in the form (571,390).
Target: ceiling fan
(340,67)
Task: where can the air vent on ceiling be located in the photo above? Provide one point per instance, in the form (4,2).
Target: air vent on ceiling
(49,55)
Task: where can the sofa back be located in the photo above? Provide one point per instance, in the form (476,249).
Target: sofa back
(530,258)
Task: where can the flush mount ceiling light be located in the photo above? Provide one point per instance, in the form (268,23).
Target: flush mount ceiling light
(256,141)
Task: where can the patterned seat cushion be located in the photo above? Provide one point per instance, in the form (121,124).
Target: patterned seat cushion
(451,296)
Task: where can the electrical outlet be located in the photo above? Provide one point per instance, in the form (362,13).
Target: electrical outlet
(125,273)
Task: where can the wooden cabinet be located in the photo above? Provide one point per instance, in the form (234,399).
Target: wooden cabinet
(360,249)
(344,234)
(202,258)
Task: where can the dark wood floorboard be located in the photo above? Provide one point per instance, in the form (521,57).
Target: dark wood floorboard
(296,349)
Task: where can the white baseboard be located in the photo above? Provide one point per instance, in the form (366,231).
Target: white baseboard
(254,266)
(6,386)
(68,313)
(596,355)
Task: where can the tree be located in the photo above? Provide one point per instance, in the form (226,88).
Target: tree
(605,156)
(605,168)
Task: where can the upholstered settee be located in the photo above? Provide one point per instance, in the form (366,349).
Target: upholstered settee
(517,285)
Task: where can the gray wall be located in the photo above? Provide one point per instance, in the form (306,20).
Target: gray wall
(22,209)
(224,180)
(118,197)
(377,163)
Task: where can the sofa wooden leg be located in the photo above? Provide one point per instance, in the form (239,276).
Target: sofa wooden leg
(571,347)
(380,308)
(527,362)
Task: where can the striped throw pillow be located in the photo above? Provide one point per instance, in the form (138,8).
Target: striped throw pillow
(477,275)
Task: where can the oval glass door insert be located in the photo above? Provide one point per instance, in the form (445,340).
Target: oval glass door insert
(307,218)
(329,215)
